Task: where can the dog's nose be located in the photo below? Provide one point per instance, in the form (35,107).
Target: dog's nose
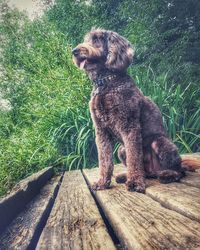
(75,51)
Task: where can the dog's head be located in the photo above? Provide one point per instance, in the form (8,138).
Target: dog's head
(105,48)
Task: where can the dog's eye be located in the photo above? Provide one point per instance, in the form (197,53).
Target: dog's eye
(95,39)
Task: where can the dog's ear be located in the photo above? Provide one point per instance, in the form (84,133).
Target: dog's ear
(120,52)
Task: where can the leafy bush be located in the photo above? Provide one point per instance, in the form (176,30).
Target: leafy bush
(49,123)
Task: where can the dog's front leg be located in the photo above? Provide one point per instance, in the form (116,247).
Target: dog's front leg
(134,161)
(105,150)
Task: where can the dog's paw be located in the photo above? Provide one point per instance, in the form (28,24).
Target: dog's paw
(100,185)
(137,187)
(168,176)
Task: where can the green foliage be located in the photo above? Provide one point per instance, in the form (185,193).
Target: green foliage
(182,126)
(72,18)
(49,123)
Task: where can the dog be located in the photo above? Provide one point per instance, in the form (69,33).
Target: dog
(121,113)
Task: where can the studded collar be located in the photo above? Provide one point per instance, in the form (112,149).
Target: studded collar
(102,81)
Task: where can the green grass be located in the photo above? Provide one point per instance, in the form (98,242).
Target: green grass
(181,119)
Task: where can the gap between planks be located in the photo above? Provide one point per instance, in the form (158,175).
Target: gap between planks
(141,222)
(75,222)
(21,195)
(24,231)
(183,197)
(86,230)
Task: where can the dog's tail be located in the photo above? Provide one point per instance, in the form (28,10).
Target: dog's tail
(190,162)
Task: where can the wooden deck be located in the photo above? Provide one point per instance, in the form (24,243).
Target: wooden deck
(66,215)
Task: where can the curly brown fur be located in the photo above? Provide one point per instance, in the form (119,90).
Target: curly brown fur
(120,112)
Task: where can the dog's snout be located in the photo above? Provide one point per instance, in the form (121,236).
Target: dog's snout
(75,51)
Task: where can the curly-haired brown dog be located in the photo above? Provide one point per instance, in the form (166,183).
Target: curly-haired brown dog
(121,112)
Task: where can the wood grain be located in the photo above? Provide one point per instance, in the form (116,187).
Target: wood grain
(179,197)
(142,223)
(21,195)
(184,199)
(192,179)
(22,232)
(75,222)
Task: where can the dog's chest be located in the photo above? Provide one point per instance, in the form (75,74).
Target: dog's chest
(104,108)
(109,109)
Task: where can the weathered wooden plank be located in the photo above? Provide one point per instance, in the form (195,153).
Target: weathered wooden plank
(24,230)
(142,223)
(192,155)
(23,192)
(192,179)
(75,222)
(179,197)
(184,199)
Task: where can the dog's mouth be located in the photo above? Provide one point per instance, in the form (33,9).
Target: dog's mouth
(85,56)
(85,62)
(82,62)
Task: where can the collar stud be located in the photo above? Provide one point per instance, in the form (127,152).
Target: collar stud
(102,81)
